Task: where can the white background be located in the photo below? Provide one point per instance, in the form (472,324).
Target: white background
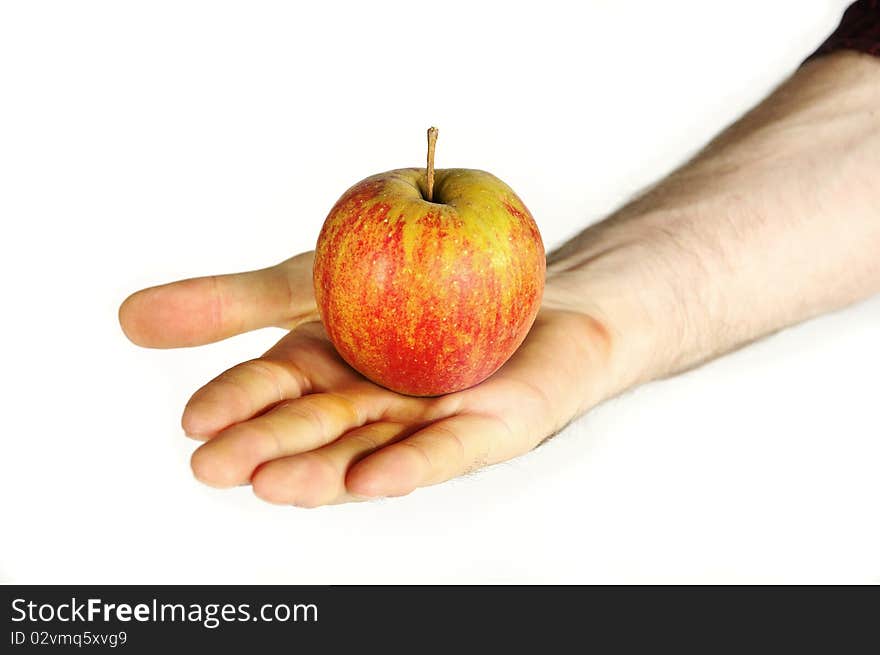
(144,142)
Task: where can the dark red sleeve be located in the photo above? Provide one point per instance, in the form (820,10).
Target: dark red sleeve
(859,29)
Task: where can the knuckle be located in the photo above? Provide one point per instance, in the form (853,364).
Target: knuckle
(452,437)
(308,411)
(217,302)
(420,451)
(266,371)
(365,440)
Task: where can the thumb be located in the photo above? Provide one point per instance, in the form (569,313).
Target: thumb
(207,309)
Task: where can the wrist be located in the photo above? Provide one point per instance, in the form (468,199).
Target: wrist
(619,277)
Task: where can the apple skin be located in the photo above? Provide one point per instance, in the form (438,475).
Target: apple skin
(428,298)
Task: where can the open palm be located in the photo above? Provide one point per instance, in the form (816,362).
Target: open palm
(304,428)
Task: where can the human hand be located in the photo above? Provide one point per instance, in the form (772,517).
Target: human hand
(742,241)
(304,428)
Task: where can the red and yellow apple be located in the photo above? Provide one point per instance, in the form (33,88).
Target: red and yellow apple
(428,297)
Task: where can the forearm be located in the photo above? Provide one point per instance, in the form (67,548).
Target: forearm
(776,221)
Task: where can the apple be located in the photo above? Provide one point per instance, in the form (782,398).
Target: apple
(428,281)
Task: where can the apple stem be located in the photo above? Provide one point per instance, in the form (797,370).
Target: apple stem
(432,143)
